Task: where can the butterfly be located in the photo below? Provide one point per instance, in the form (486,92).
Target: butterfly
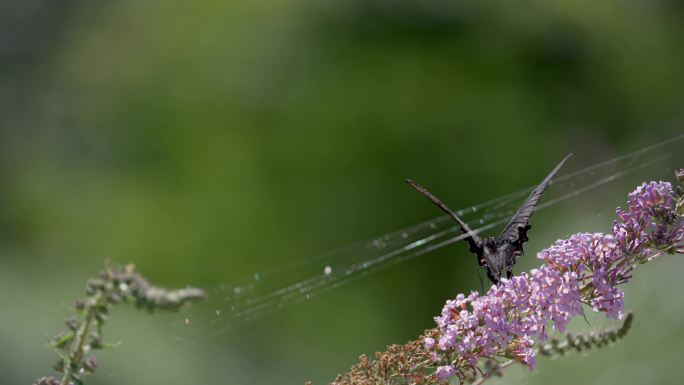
(499,255)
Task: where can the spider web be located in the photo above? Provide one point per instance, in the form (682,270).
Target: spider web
(233,305)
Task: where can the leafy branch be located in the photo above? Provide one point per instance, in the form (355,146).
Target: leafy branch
(114,285)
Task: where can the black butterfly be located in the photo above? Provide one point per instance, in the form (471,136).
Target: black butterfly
(499,255)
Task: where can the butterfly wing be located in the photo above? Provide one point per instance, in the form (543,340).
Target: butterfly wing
(515,233)
(474,242)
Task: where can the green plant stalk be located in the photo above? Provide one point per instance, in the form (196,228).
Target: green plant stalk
(114,285)
(81,336)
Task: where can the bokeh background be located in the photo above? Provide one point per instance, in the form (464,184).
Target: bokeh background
(210,140)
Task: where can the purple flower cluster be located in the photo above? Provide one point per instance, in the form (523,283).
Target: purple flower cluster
(649,222)
(585,268)
(591,258)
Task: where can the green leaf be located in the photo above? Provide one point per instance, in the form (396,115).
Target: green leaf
(77,381)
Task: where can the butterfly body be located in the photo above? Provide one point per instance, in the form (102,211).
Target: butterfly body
(498,255)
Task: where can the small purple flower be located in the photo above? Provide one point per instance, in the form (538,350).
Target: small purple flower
(428,342)
(586,267)
(444,372)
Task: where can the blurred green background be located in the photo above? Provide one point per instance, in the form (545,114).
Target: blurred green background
(206,141)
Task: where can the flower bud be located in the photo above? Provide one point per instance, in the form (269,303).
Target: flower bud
(59,365)
(90,364)
(72,323)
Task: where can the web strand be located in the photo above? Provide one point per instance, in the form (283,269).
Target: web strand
(300,280)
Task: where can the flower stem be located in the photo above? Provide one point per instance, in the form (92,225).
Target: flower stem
(487,376)
(81,336)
